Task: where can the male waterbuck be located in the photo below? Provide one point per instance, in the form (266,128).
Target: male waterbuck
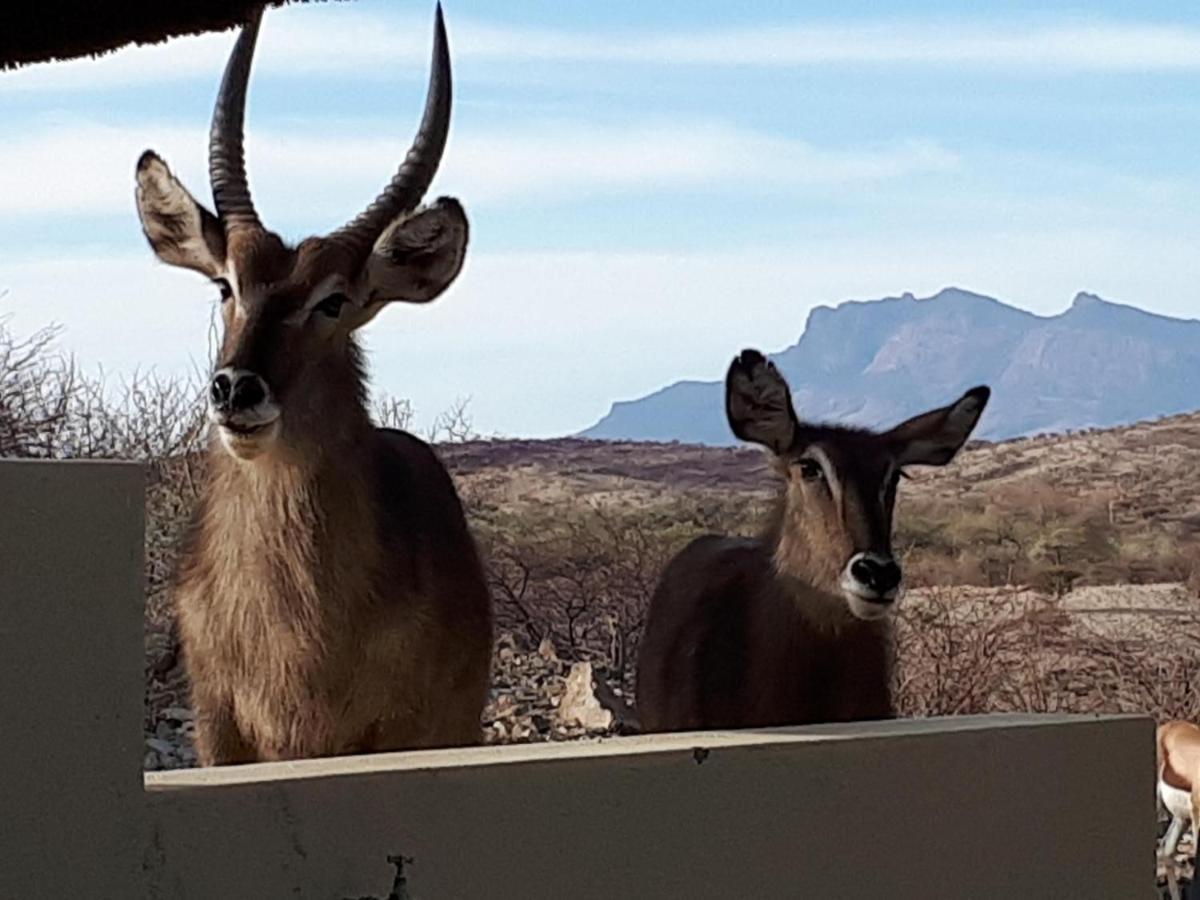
(330,597)
(793,627)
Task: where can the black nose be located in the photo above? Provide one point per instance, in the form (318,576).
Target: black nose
(878,575)
(248,392)
(233,391)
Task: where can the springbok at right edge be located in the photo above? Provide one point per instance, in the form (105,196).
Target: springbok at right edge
(1178,756)
(793,627)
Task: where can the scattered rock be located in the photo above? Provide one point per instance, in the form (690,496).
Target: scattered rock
(161,746)
(579,705)
(531,701)
(504,706)
(623,714)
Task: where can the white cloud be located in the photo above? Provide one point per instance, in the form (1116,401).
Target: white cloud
(544,342)
(1097,46)
(561,157)
(369,44)
(87,168)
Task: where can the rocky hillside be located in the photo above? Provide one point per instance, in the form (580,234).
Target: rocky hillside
(1151,470)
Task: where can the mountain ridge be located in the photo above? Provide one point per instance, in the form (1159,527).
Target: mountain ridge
(1096,364)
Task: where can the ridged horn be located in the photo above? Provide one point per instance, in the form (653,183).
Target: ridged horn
(226,161)
(406,189)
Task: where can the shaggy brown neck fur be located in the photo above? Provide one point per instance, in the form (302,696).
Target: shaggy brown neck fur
(293,527)
(799,573)
(283,535)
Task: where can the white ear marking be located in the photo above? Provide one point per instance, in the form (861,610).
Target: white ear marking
(415,258)
(180,230)
(328,285)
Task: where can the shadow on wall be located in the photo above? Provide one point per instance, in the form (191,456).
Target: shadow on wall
(399,882)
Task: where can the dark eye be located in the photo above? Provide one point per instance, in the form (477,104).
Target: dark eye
(224,288)
(332,305)
(810,470)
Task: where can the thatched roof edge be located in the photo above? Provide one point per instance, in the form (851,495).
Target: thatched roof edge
(47,30)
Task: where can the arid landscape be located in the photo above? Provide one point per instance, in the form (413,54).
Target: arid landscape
(1048,574)
(1056,573)
(671,242)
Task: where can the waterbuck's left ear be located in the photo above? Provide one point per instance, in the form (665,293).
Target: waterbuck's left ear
(416,257)
(758,402)
(935,437)
(180,231)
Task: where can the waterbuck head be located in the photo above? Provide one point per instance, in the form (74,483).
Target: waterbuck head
(289,369)
(834,524)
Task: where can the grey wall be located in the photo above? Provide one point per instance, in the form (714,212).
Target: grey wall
(70,679)
(1029,808)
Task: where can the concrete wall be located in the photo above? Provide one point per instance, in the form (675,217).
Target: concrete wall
(70,678)
(1028,807)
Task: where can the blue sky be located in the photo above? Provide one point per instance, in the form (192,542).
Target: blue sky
(651,186)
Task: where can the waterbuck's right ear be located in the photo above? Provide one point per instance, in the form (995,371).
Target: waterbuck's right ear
(180,230)
(758,402)
(934,438)
(416,257)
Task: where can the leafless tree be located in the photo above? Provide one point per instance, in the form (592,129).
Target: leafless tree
(453,425)
(392,412)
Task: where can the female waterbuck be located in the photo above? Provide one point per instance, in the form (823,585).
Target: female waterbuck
(330,597)
(791,628)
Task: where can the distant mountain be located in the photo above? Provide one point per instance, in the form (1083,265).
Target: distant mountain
(873,363)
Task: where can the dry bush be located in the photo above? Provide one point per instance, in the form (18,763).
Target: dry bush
(49,409)
(392,412)
(1030,532)
(453,425)
(36,390)
(946,665)
(961,651)
(584,577)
